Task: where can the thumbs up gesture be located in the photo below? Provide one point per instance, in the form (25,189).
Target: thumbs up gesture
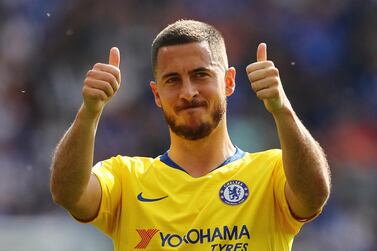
(101,83)
(265,81)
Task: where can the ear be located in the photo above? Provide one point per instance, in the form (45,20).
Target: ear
(230,81)
(153,86)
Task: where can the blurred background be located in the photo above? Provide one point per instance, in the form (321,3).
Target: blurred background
(326,52)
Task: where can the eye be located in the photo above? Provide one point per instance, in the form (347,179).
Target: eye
(172,80)
(201,74)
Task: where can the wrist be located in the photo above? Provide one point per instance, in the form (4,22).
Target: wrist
(88,116)
(284,112)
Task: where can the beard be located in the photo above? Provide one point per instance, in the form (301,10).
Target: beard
(204,128)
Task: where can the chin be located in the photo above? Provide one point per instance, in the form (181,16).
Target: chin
(193,132)
(193,125)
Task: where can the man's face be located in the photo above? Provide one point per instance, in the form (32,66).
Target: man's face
(191,89)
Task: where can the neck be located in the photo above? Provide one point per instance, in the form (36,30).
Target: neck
(199,157)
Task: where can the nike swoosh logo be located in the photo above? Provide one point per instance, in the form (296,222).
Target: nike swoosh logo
(143,199)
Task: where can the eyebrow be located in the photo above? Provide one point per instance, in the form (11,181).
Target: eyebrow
(168,75)
(200,69)
(173,74)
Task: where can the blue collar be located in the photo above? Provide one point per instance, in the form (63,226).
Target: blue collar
(168,161)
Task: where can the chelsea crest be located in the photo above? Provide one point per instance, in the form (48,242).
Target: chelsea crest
(234,192)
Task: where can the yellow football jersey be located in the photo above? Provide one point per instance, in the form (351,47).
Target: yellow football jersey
(153,204)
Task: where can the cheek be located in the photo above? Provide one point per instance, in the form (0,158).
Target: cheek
(216,92)
(166,100)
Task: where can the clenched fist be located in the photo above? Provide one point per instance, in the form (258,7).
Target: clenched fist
(101,83)
(265,81)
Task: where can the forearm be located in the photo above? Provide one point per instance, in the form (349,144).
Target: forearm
(73,159)
(305,164)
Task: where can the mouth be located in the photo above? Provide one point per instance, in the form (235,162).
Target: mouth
(191,107)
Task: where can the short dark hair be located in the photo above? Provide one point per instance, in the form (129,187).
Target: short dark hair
(190,31)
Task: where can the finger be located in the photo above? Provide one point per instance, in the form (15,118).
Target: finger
(268,93)
(259,65)
(114,57)
(263,73)
(110,69)
(105,76)
(92,93)
(271,82)
(262,52)
(100,85)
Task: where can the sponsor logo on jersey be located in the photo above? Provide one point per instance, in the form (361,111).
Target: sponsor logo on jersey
(212,236)
(146,236)
(234,192)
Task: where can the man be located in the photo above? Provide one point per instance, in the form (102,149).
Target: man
(204,193)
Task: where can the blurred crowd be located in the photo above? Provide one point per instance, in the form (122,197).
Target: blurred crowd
(326,53)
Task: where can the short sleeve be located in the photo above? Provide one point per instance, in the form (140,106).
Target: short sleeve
(107,173)
(286,219)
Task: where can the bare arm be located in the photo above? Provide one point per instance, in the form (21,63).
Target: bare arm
(72,184)
(305,165)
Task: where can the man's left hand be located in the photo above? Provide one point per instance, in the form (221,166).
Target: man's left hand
(265,81)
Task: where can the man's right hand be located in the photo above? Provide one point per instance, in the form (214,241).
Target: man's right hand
(101,83)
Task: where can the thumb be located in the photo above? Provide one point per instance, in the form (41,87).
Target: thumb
(262,52)
(114,57)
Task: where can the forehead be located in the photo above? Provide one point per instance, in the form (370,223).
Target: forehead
(184,57)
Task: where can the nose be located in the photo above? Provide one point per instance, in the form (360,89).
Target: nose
(188,90)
